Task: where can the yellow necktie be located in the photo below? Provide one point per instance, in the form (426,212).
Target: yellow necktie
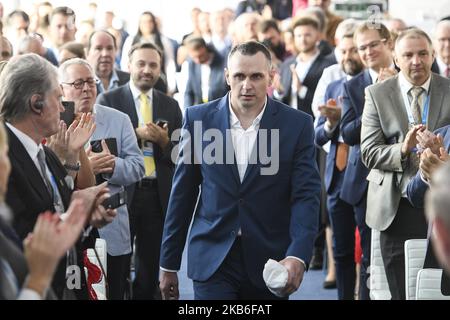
(147,116)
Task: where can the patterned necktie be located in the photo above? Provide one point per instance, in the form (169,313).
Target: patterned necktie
(416,92)
(341,156)
(147,116)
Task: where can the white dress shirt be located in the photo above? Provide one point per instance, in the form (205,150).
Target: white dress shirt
(244,139)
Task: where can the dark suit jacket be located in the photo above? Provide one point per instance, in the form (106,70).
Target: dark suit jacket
(28,196)
(334,90)
(165,108)
(354,185)
(310,81)
(277,213)
(217,84)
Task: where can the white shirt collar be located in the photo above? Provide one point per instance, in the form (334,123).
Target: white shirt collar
(29,144)
(311,61)
(405,85)
(234,120)
(136,93)
(373,75)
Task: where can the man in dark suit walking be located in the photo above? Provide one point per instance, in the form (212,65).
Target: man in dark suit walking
(155,117)
(250,209)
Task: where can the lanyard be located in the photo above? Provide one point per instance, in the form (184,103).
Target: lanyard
(424,112)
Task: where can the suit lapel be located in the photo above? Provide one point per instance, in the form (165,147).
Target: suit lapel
(268,122)
(221,121)
(398,105)
(129,105)
(20,156)
(436,95)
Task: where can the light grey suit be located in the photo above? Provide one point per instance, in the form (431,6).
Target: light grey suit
(384,128)
(129,168)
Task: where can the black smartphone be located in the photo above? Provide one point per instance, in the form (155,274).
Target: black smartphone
(96,145)
(116,200)
(69,112)
(161,122)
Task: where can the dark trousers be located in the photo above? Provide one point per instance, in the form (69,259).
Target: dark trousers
(319,240)
(231,282)
(147,221)
(344,219)
(118,269)
(409,223)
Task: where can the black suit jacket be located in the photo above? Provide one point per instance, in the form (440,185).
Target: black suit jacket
(165,108)
(28,196)
(310,81)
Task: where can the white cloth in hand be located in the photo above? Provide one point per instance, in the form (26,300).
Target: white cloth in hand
(275,276)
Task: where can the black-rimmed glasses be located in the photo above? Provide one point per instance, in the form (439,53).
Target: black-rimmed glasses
(79,84)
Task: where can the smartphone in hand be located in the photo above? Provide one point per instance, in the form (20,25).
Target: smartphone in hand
(69,112)
(116,200)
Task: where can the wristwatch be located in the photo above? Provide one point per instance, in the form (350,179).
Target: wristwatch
(72,167)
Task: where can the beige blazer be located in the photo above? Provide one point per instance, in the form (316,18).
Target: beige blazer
(383,130)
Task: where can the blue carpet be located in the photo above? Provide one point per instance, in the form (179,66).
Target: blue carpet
(310,289)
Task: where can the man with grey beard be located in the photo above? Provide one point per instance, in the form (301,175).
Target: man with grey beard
(342,216)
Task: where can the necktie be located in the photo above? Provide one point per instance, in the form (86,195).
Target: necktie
(41,160)
(341,156)
(147,116)
(416,92)
(52,187)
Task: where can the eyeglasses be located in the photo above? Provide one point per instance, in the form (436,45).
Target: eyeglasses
(371,45)
(79,84)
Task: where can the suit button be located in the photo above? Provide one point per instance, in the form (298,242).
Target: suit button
(241,201)
(233,233)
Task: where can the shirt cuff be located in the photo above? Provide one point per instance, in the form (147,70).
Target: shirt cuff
(29,294)
(297,258)
(168,270)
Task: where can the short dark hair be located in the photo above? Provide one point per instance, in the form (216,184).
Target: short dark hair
(65,11)
(195,42)
(145,45)
(104,31)
(250,48)
(266,25)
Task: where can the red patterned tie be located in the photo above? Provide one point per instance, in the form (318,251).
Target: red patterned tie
(341,156)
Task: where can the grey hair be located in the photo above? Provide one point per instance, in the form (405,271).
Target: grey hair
(346,29)
(437,200)
(442,23)
(75,61)
(319,14)
(23,77)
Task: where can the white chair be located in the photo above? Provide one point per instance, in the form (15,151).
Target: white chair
(429,285)
(378,285)
(100,246)
(415,251)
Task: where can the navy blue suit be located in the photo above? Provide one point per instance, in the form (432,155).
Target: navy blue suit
(342,216)
(354,184)
(277,214)
(217,84)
